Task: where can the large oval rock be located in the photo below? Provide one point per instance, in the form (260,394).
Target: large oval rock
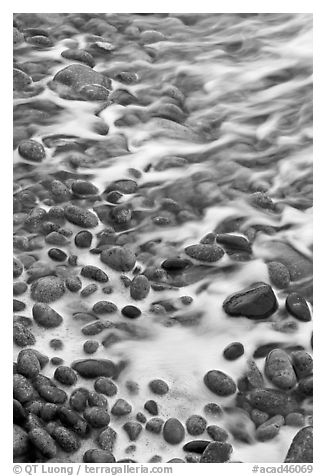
(206,253)
(76,76)
(43,442)
(139,287)
(119,258)
(173,431)
(47,289)
(255,302)
(219,383)
(272,401)
(91,368)
(301,449)
(45,316)
(80,216)
(279,369)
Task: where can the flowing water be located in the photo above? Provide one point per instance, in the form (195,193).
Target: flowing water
(241,128)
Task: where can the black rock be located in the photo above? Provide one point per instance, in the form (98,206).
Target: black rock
(233,351)
(45,316)
(97,400)
(57,255)
(133,429)
(20,441)
(91,346)
(131,311)
(256,302)
(219,383)
(217,452)
(91,368)
(83,239)
(196,446)
(82,56)
(173,431)
(298,307)
(65,375)
(270,428)
(301,449)
(80,216)
(302,363)
(176,264)
(31,150)
(17,268)
(159,387)
(151,407)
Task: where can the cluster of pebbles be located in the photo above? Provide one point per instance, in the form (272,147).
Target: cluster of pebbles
(77,242)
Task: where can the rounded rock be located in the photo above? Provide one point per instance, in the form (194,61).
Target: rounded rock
(219,383)
(106,386)
(97,417)
(47,289)
(196,425)
(173,431)
(119,258)
(131,311)
(43,442)
(233,351)
(159,387)
(65,375)
(31,150)
(279,370)
(45,316)
(139,287)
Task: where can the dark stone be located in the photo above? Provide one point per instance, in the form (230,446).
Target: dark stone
(65,375)
(151,407)
(217,452)
(279,370)
(279,274)
(196,446)
(83,239)
(173,431)
(91,368)
(43,442)
(75,76)
(78,399)
(206,253)
(57,255)
(45,316)
(270,428)
(31,150)
(233,351)
(18,268)
(22,389)
(219,383)
(28,364)
(104,307)
(80,216)
(73,284)
(97,417)
(301,449)
(52,394)
(131,311)
(91,346)
(20,442)
(92,272)
(22,336)
(256,302)
(176,264)
(79,55)
(106,386)
(97,400)
(107,438)
(213,409)
(47,289)
(98,456)
(84,188)
(196,425)
(139,287)
(265,349)
(119,258)
(298,307)
(141,417)
(88,290)
(66,439)
(217,433)
(94,328)
(121,407)
(133,429)
(154,425)
(302,363)
(273,402)
(233,243)
(19,288)
(159,387)
(19,412)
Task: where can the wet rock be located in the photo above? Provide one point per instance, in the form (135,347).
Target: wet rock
(279,274)
(22,389)
(47,289)
(302,363)
(234,243)
(256,302)
(28,364)
(140,287)
(78,399)
(56,238)
(45,316)
(173,431)
(97,400)
(298,307)
(119,258)
(159,387)
(133,429)
(107,438)
(273,402)
(301,449)
(48,411)
(97,417)
(57,255)
(106,386)
(196,425)
(126,186)
(219,383)
(279,370)
(196,446)
(104,307)
(80,216)
(83,239)
(31,150)
(131,311)
(94,328)
(154,425)
(206,253)
(19,412)
(305,387)
(213,409)
(98,456)
(66,439)
(151,407)
(76,76)
(270,428)
(73,284)
(233,351)
(88,290)
(43,442)
(295,419)
(141,417)
(92,368)
(91,346)
(17,268)
(20,441)
(65,375)
(19,288)
(18,305)
(217,452)
(79,55)
(121,407)
(22,336)
(217,433)
(52,394)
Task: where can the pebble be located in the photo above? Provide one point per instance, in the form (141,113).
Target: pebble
(67,439)
(19,288)
(305,386)
(19,412)
(43,442)
(219,383)
(107,438)
(83,239)
(133,429)
(28,364)
(301,449)
(31,150)
(78,399)
(52,394)
(217,452)
(159,387)
(256,302)
(294,419)
(98,456)
(213,409)
(80,216)
(92,368)
(206,253)
(97,417)
(131,311)
(84,188)
(104,307)
(139,287)
(91,346)
(56,344)
(217,433)
(106,386)
(65,375)
(22,336)
(196,446)
(270,428)
(173,431)
(272,401)
(121,407)
(125,186)
(73,284)
(298,307)
(233,351)
(45,316)
(88,290)
(119,258)
(279,369)
(20,441)
(18,305)
(79,55)
(47,289)
(302,363)
(48,411)
(22,389)
(279,275)
(18,268)
(233,243)
(258,417)
(196,425)
(56,238)
(154,425)
(56,361)
(57,255)
(97,400)
(151,407)
(78,75)
(95,328)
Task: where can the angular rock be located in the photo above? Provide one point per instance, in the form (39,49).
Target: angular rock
(217,452)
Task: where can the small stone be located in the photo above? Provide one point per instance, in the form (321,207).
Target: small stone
(18,268)
(279,274)
(82,56)
(233,351)
(97,417)
(140,287)
(88,290)
(131,311)
(141,417)
(56,344)
(121,407)
(84,188)
(22,336)
(47,289)
(97,400)
(73,284)
(213,409)
(43,442)
(57,255)
(83,239)
(91,346)
(65,375)
(302,363)
(270,428)
(151,407)
(206,253)
(154,425)
(219,383)
(279,370)
(196,446)
(159,387)
(19,288)
(125,186)
(298,307)
(92,368)
(196,425)
(98,456)
(119,258)
(107,438)
(173,431)
(78,399)
(104,307)
(217,433)
(233,243)
(106,386)
(294,419)
(272,401)
(133,429)
(48,412)
(31,150)
(94,328)
(67,439)
(56,238)
(45,316)
(217,452)
(20,441)
(22,389)
(52,394)
(176,264)
(80,216)
(28,364)
(259,417)
(56,361)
